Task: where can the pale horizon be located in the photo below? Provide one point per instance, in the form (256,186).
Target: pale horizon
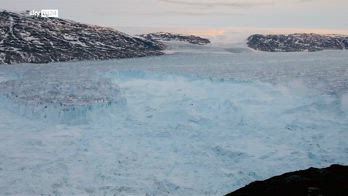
(319,15)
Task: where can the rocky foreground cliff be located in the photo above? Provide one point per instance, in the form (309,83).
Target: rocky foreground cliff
(311,182)
(163,36)
(30,39)
(297,42)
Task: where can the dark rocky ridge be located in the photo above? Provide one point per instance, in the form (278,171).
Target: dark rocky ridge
(297,42)
(30,39)
(311,182)
(161,36)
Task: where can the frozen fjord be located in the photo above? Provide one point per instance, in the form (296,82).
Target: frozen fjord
(201,122)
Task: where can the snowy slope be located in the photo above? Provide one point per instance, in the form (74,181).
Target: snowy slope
(163,36)
(297,42)
(29,39)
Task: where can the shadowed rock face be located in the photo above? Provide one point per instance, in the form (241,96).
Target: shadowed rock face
(311,182)
(29,39)
(297,42)
(176,37)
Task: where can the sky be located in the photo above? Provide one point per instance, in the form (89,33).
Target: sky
(218,14)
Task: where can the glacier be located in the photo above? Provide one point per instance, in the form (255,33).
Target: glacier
(199,121)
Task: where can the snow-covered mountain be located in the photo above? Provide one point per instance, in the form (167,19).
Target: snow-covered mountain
(162,36)
(30,39)
(297,42)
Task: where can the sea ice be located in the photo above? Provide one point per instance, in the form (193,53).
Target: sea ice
(181,124)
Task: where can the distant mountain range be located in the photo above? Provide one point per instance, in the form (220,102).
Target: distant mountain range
(163,36)
(30,39)
(297,42)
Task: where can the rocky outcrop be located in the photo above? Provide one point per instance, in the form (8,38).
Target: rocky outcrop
(311,182)
(161,36)
(30,39)
(297,42)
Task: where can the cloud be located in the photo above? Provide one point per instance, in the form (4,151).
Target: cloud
(191,13)
(207,4)
(168,13)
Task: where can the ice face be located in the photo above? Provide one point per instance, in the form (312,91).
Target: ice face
(59,100)
(190,124)
(344,102)
(60,95)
